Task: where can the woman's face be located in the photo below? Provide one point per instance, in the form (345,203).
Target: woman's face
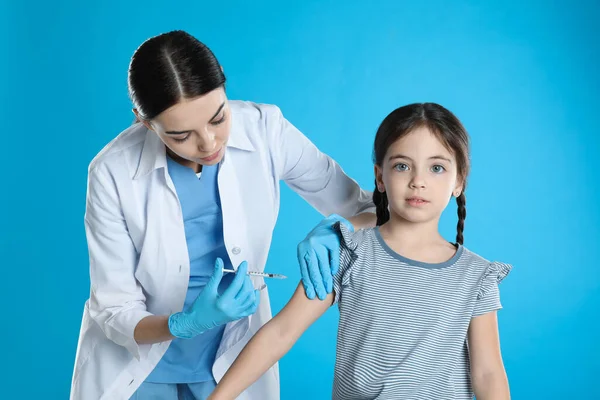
(196,129)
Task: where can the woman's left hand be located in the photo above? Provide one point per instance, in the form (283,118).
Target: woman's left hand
(319,257)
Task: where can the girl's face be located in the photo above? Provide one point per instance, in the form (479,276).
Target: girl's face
(419,176)
(196,129)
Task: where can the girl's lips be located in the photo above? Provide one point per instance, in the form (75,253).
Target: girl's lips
(416,201)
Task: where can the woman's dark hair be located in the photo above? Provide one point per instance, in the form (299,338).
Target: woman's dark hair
(445,126)
(168,68)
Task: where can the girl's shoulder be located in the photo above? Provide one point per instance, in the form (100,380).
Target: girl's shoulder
(493,271)
(353,240)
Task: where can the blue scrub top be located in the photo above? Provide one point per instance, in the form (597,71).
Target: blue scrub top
(191,360)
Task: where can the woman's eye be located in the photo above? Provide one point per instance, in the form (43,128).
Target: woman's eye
(438,169)
(401,167)
(181,140)
(218,122)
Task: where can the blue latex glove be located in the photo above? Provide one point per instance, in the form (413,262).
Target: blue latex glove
(319,257)
(210,310)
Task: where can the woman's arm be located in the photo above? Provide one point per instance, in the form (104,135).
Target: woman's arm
(270,343)
(487,369)
(319,180)
(117,303)
(153,329)
(314,175)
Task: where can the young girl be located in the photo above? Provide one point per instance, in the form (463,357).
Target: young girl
(417,313)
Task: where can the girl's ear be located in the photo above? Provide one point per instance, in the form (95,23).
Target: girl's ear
(459,188)
(379,179)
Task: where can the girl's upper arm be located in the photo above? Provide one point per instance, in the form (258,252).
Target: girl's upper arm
(300,313)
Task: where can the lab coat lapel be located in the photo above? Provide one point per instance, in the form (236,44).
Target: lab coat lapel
(235,224)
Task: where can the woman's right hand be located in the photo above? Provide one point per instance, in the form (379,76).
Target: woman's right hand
(210,309)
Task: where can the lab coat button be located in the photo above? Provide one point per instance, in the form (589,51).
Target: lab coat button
(236,250)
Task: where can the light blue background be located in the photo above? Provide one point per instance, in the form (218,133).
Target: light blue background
(523,78)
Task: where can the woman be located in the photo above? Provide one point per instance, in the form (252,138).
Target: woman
(190,190)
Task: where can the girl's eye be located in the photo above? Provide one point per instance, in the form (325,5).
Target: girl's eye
(401,167)
(438,169)
(182,139)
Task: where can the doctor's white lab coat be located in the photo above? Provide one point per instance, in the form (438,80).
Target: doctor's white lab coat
(139,263)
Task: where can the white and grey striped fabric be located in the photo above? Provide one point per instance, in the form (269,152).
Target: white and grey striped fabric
(403,323)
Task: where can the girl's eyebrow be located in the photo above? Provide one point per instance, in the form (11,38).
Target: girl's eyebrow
(439,157)
(393,157)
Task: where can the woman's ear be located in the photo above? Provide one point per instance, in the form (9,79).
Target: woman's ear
(138,118)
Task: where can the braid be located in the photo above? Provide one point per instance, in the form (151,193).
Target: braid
(381,202)
(462,215)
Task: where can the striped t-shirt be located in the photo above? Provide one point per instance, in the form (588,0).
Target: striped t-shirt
(403,323)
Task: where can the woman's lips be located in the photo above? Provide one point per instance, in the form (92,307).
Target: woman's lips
(212,156)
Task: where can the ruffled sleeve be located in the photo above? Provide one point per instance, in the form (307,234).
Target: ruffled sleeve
(348,256)
(488,295)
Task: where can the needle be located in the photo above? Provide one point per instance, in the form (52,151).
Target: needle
(255,273)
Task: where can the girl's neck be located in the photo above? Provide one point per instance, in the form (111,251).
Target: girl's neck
(418,241)
(410,234)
